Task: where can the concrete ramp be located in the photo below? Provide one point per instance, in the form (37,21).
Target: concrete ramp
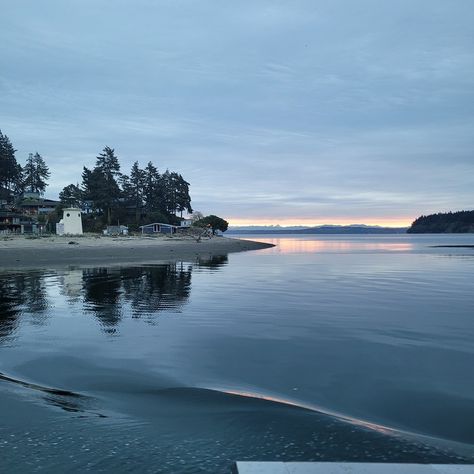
(250,467)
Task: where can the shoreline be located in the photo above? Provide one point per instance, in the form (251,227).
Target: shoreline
(18,252)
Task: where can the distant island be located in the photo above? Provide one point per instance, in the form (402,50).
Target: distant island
(448,222)
(323,229)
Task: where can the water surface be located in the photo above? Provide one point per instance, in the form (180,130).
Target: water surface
(355,348)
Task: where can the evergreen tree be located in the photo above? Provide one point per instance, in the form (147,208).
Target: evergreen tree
(71,196)
(183,199)
(175,193)
(10,170)
(153,190)
(108,164)
(35,174)
(134,189)
(105,186)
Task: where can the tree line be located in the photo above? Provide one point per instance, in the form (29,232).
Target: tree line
(16,179)
(118,197)
(448,222)
(108,195)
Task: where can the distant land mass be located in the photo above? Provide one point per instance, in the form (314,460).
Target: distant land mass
(322,229)
(448,222)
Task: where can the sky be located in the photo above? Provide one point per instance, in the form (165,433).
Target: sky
(277,112)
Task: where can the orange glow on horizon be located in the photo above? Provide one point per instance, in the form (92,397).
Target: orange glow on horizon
(308,222)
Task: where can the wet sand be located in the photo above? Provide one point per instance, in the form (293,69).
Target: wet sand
(49,252)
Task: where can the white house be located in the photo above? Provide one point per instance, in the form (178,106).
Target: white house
(71,223)
(185,222)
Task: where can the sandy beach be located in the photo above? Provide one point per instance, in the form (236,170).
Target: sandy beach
(53,251)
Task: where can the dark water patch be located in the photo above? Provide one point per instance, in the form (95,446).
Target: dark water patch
(33,386)
(454,246)
(22,293)
(64,399)
(202,431)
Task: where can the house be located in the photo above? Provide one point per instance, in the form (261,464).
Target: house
(87,207)
(185,222)
(32,204)
(116,230)
(10,222)
(158,228)
(6,197)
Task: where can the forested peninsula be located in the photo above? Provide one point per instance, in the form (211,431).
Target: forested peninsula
(448,222)
(105,195)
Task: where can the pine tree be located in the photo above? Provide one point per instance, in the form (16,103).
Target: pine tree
(10,170)
(153,192)
(134,188)
(183,199)
(71,196)
(100,185)
(35,174)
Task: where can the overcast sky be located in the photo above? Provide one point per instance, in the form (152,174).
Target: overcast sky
(276,112)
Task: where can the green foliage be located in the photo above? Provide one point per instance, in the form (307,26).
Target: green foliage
(100,185)
(133,187)
(215,222)
(10,170)
(92,223)
(450,222)
(71,196)
(156,216)
(35,174)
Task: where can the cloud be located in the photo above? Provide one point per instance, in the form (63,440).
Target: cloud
(334,108)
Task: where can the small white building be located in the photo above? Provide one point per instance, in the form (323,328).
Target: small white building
(116,230)
(185,222)
(71,223)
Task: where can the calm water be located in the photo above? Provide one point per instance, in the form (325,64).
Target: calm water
(322,348)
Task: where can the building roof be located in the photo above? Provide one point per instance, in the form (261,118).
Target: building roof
(158,223)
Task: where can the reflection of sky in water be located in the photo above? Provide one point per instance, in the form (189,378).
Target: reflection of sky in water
(295,245)
(367,243)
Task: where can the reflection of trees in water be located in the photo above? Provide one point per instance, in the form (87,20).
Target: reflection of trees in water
(146,290)
(102,292)
(21,293)
(213,262)
(156,288)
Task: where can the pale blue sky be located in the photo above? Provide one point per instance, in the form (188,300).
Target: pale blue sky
(297,111)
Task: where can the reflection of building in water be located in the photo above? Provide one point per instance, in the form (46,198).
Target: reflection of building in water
(71,284)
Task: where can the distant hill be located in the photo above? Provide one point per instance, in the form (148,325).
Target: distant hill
(449,222)
(323,229)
